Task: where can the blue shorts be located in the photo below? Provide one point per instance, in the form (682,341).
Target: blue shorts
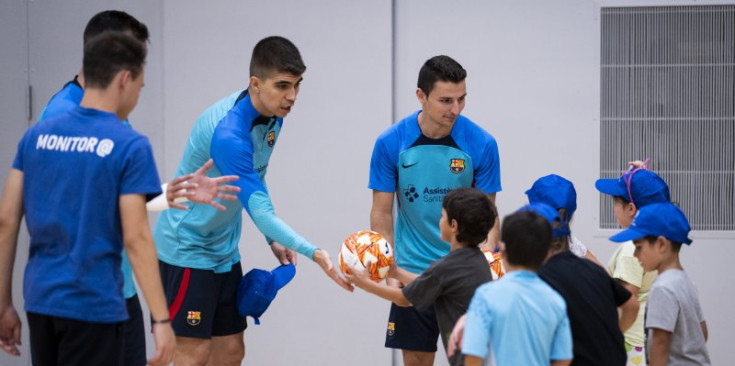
(202,304)
(412,330)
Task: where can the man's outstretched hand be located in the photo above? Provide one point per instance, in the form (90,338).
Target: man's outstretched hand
(321,257)
(198,187)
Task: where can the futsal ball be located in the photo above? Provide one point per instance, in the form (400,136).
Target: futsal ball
(496,265)
(366,250)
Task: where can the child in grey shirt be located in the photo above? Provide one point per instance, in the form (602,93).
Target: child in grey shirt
(677,332)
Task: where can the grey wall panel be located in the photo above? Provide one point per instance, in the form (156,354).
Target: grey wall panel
(56,30)
(14,106)
(531,82)
(14,73)
(318,173)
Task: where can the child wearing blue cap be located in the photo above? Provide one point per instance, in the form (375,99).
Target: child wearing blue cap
(560,194)
(592,296)
(633,190)
(449,283)
(677,331)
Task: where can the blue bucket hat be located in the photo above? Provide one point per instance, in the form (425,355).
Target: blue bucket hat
(557,192)
(639,186)
(657,219)
(258,288)
(548,212)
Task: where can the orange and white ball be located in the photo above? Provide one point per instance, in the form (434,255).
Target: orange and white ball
(366,250)
(496,265)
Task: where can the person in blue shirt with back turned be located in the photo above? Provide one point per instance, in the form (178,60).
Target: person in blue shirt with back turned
(418,161)
(198,248)
(195,187)
(102,174)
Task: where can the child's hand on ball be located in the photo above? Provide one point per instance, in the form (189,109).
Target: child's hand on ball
(358,276)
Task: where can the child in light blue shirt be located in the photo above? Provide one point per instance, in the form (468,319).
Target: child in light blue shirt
(519,319)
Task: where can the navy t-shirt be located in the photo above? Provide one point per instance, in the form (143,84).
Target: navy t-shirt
(592,298)
(75,166)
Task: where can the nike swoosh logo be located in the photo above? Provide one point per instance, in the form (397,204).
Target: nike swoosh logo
(408,166)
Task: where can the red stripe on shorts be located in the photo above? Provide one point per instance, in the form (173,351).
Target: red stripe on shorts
(180,295)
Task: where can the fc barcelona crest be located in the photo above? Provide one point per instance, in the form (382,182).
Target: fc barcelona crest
(391,329)
(194,317)
(271,138)
(456,166)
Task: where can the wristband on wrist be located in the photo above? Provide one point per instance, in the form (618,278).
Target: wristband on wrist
(163,321)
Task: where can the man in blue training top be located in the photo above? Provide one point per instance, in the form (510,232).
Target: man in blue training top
(198,249)
(196,187)
(73,282)
(419,160)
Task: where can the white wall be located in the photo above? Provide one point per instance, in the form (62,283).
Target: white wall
(533,83)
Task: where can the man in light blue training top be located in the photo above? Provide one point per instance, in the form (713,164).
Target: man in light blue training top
(195,187)
(198,248)
(419,160)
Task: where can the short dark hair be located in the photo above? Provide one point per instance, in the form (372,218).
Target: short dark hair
(439,68)
(276,54)
(527,238)
(675,247)
(620,199)
(115,20)
(474,212)
(109,53)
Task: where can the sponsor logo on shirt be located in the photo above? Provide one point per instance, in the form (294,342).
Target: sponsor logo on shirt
(194,317)
(271,138)
(433,194)
(75,144)
(410,193)
(456,166)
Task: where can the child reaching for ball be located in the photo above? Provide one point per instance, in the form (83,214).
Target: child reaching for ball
(450,282)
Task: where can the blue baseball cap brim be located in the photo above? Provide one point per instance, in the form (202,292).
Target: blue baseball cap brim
(283,275)
(628,234)
(612,187)
(657,219)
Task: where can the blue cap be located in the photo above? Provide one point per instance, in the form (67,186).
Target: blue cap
(548,212)
(646,187)
(258,288)
(657,219)
(558,193)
